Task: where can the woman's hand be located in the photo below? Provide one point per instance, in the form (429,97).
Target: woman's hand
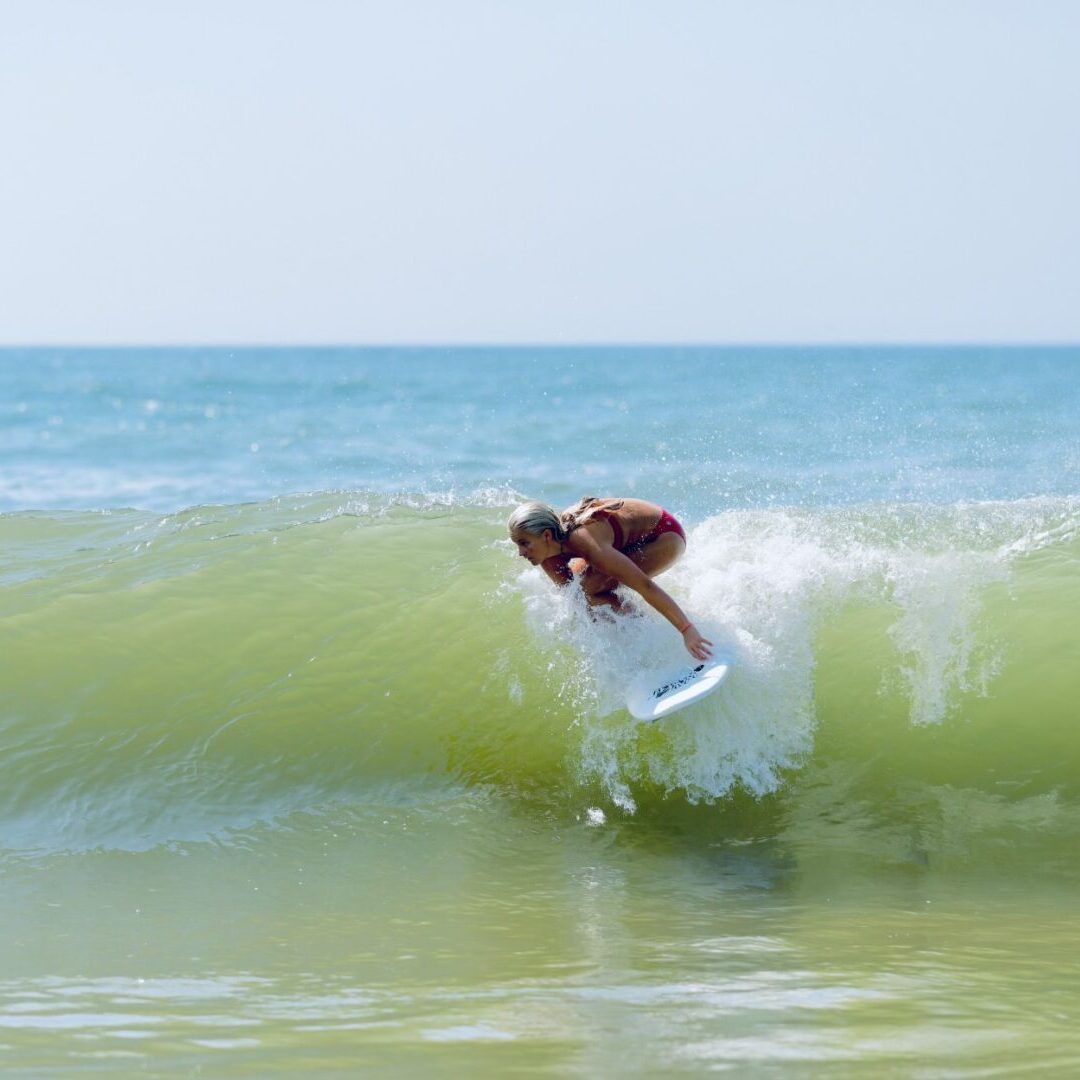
(696,645)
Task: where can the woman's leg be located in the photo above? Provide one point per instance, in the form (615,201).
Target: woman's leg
(659,555)
(654,558)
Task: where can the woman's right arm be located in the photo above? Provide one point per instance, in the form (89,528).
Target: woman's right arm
(558,569)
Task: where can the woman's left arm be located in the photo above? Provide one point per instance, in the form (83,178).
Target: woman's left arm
(610,561)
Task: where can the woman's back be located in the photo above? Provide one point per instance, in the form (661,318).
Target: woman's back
(630,519)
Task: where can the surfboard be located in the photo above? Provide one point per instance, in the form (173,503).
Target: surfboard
(657,694)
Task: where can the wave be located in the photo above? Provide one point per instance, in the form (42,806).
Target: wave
(174,678)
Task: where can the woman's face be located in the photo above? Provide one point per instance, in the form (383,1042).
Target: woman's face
(536,548)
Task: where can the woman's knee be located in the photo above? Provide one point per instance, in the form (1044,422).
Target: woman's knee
(594,584)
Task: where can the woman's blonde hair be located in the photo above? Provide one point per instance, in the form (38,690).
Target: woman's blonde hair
(535,517)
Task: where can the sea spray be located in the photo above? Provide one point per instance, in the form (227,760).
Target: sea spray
(762,585)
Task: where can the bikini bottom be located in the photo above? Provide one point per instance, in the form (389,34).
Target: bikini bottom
(666,524)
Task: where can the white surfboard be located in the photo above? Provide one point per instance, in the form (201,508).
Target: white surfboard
(657,694)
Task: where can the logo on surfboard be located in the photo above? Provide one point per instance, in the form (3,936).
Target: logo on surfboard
(688,677)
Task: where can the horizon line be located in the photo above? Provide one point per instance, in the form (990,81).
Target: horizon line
(928,343)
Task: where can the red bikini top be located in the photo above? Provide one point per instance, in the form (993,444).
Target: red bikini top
(613,521)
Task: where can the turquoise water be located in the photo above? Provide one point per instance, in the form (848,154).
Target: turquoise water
(703,429)
(305,774)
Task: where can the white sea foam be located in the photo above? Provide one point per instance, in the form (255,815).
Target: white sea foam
(760,585)
(31,486)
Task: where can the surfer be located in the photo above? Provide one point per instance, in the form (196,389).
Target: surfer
(608,542)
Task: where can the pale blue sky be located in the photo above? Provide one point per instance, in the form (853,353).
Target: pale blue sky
(278,171)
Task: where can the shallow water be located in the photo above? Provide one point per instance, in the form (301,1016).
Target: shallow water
(317,784)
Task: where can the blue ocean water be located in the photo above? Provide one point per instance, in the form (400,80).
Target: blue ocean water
(700,429)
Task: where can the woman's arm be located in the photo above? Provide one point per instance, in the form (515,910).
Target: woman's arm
(558,569)
(608,560)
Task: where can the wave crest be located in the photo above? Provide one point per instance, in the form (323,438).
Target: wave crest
(176,677)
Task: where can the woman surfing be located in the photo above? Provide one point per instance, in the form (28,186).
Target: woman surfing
(609,542)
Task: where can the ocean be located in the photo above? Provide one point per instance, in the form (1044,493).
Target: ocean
(304,773)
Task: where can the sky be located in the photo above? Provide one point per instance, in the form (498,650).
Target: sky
(511,171)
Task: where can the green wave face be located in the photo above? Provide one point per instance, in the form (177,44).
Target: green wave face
(905,676)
